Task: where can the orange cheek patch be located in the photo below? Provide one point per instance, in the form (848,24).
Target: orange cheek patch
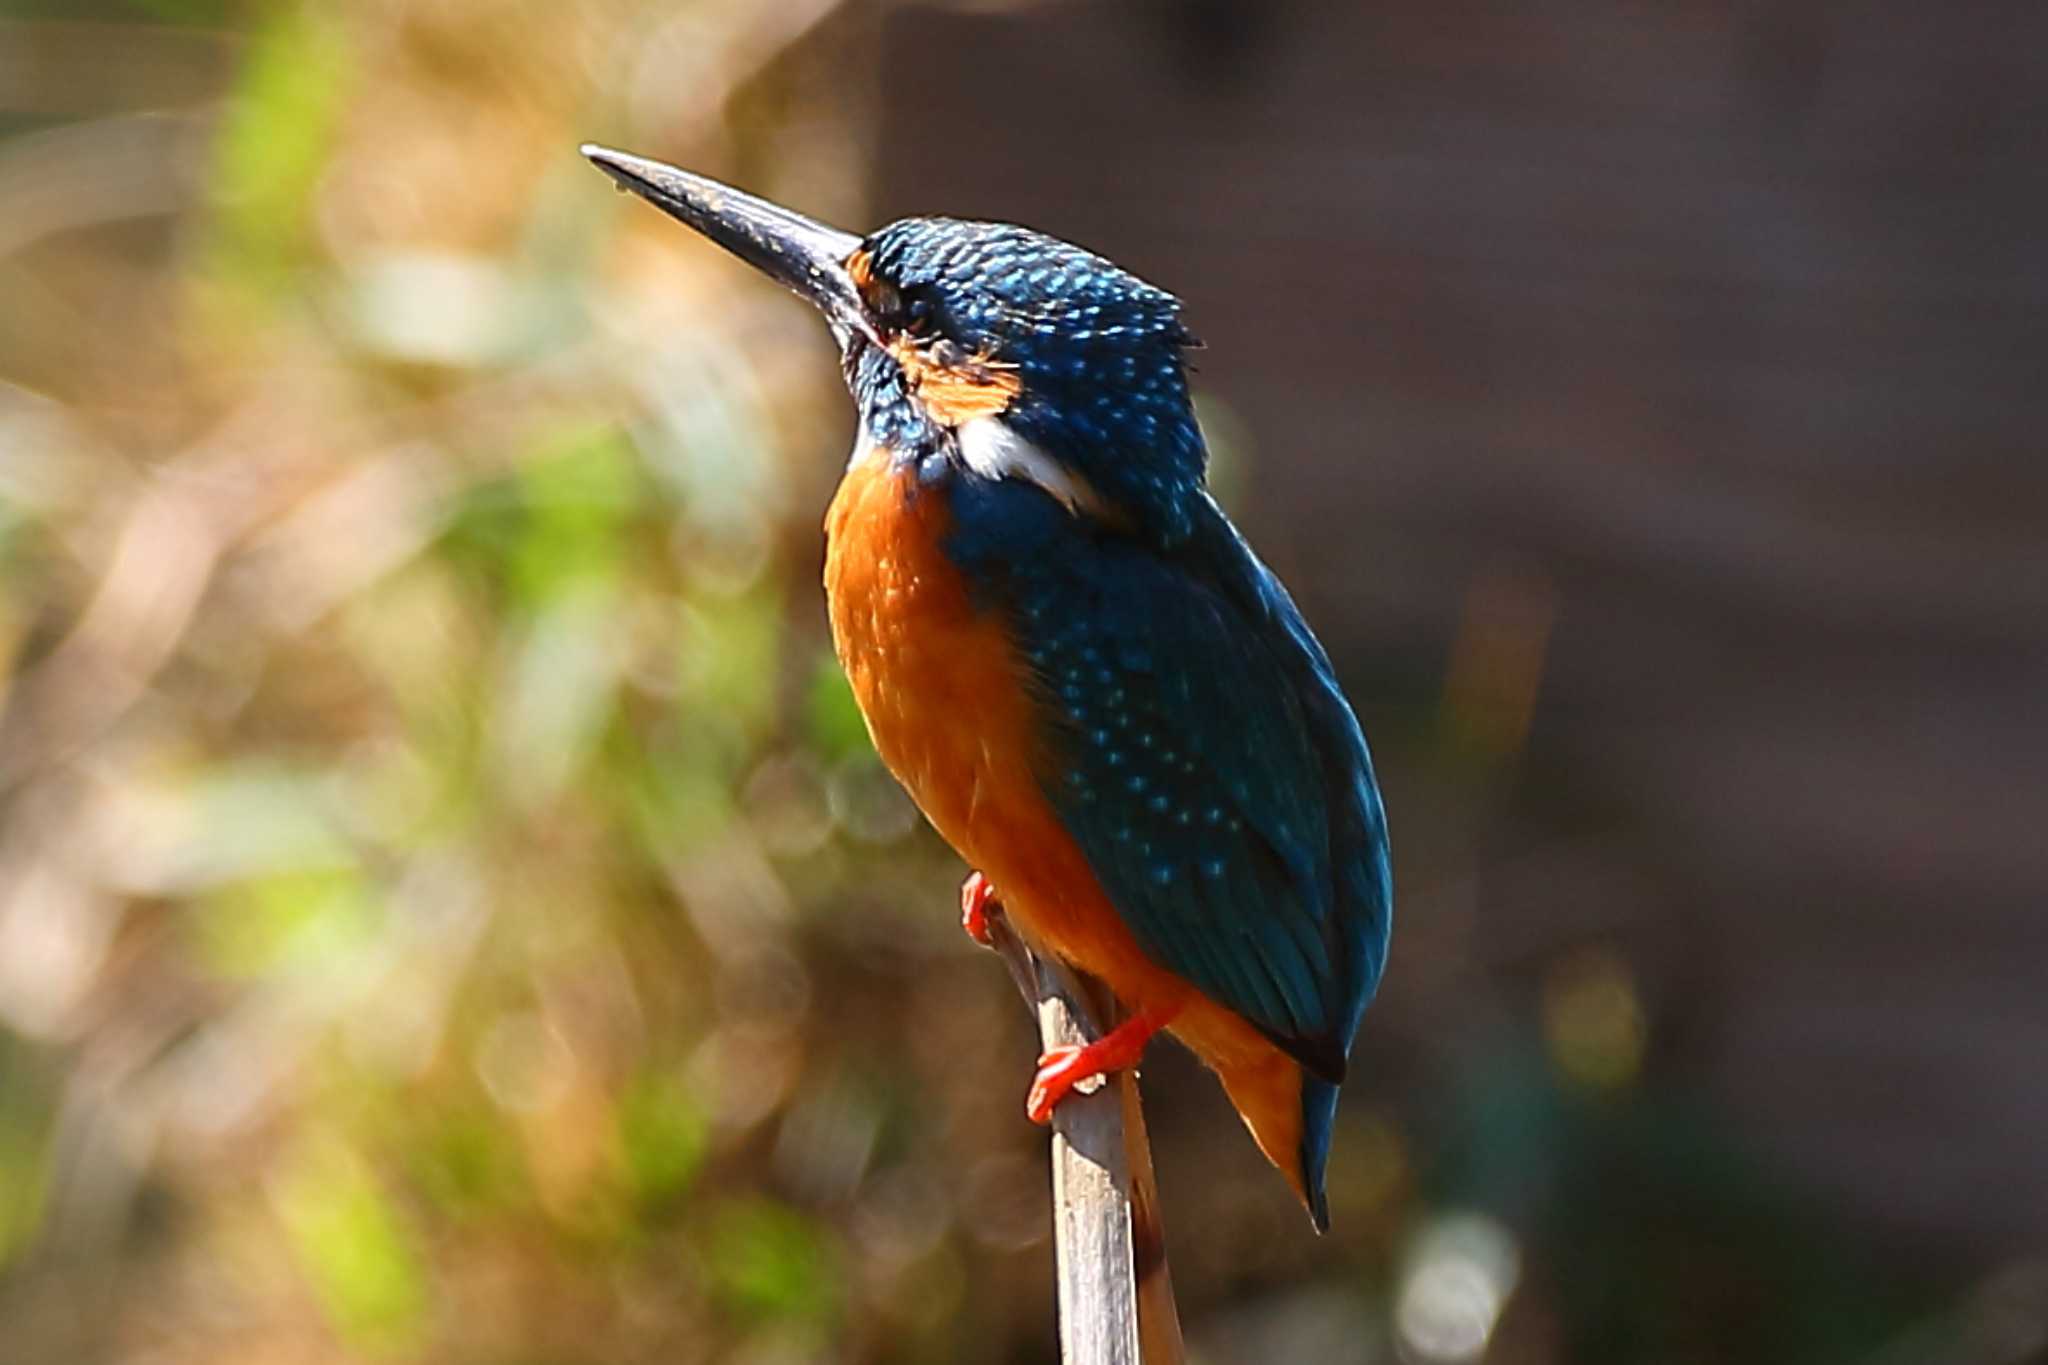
(953,395)
(956,397)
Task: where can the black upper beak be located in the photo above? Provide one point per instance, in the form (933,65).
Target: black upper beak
(804,255)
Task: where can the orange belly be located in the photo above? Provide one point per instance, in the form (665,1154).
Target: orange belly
(946,704)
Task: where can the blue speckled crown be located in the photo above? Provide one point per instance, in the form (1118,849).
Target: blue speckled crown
(1097,352)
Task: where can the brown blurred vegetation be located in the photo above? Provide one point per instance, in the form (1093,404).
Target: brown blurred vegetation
(449,910)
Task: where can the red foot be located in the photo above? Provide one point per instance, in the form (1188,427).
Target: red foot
(1063,1068)
(977,898)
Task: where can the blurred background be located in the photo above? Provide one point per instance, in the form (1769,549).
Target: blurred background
(449,910)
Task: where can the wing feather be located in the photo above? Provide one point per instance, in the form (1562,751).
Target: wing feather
(1200,754)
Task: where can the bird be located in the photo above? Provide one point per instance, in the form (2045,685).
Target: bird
(1071,659)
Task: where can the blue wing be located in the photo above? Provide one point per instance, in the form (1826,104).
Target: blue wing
(1206,762)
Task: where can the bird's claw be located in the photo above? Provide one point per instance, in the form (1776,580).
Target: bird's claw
(1060,1070)
(977,901)
(1064,1069)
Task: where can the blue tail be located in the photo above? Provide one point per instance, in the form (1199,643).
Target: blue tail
(1318,1115)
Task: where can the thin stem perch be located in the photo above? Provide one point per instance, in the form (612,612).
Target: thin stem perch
(1115,1296)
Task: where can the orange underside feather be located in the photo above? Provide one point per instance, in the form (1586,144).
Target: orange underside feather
(947,708)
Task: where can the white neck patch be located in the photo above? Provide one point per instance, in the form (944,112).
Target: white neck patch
(994,450)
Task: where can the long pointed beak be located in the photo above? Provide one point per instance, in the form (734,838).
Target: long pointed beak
(804,255)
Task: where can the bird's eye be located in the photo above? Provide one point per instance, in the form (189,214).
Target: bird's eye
(917,313)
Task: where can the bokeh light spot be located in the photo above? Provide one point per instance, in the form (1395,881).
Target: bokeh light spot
(1593,1020)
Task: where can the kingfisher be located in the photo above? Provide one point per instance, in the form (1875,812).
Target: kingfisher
(1071,659)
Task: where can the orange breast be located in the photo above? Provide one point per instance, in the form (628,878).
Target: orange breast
(946,703)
